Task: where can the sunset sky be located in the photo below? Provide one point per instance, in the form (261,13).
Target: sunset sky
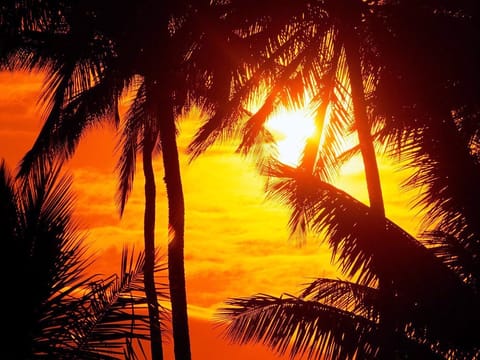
(236,242)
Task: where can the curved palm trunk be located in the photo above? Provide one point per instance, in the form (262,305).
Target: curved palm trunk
(149,239)
(176,230)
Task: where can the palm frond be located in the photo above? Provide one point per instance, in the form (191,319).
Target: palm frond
(297,72)
(226,113)
(320,152)
(129,145)
(63,312)
(79,86)
(345,295)
(435,138)
(229,110)
(311,329)
(280,89)
(22,23)
(48,246)
(114,311)
(362,246)
(8,204)
(301,327)
(444,195)
(454,253)
(68,119)
(47,230)
(57,85)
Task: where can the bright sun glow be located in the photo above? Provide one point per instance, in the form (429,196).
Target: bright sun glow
(291,129)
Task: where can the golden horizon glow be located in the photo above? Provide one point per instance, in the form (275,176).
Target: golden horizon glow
(291,128)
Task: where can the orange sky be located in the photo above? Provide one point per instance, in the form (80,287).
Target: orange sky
(236,242)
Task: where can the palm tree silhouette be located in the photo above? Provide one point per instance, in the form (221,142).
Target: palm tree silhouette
(433,308)
(418,124)
(310,46)
(296,51)
(146,46)
(417,319)
(299,50)
(74,100)
(56,310)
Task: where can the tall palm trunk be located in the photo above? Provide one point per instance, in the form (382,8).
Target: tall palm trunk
(352,53)
(149,239)
(362,124)
(176,229)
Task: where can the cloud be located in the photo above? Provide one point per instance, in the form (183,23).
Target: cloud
(236,243)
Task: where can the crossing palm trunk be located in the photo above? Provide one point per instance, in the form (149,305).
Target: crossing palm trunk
(149,240)
(313,144)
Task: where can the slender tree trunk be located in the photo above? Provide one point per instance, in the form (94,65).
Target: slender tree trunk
(149,239)
(362,125)
(372,175)
(310,152)
(176,230)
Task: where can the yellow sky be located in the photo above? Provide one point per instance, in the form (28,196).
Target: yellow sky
(236,242)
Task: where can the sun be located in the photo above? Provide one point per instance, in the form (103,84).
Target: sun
(291,129)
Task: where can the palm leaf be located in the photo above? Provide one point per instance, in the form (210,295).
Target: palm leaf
(280,88)
(454,253)
(69,118)
(48,247)
(302,327)
(311,329)
(345,295)
(362,248)
(112,311)
(229,108)
(129,145)
(59,311)
(8,204)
